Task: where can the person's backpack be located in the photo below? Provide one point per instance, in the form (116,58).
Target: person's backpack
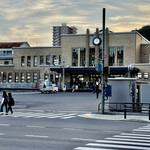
(12,101)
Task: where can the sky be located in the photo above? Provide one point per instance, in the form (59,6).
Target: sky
(32,21)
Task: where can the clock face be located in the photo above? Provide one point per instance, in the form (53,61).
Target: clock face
(96,41)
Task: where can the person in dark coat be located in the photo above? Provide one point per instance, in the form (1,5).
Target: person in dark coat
(10,103)
(4,102)
(97,91)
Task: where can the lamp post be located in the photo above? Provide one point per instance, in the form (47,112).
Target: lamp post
(63,71)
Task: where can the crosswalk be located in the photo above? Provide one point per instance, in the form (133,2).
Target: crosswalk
(39,115)
(138,139)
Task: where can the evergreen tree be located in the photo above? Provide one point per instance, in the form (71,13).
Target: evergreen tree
(145,31)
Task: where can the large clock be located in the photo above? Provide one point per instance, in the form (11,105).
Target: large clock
(96,41)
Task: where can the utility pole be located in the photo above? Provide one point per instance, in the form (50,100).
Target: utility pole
(103,57)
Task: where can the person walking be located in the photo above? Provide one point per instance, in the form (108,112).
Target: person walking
(97,91)
(10,103)
(4,102)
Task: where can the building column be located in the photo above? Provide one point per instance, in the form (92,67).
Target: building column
(97,48)
(87,48)
(78,57)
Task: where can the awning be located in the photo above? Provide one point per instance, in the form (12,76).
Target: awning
(91,70)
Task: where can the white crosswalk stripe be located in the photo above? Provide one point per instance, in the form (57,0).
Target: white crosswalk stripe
(138,139)
(43,115)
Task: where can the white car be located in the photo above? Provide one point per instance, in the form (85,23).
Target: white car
(48,88)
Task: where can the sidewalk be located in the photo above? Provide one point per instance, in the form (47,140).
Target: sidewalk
(119,117)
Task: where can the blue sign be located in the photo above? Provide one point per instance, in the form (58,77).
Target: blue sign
(99,67)
(108,90)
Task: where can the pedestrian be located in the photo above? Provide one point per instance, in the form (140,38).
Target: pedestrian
(10,103)
(97,91)
(4,102)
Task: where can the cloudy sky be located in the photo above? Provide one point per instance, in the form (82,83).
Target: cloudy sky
(33,20)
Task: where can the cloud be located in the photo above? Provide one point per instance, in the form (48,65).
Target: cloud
(32,20)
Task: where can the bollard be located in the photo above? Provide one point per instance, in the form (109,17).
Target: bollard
(149,112)
(125,111)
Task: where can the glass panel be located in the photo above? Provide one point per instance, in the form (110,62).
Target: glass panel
(111,56)
(75,57)
(54,58)
(47,59)
(145,75)
(9,77)
(41,60)
(28,61)
(82,56)
(22,77)
(92,57)
(120,56)
(35,61)
(16,77)
(28,77)
(22,60)
(35,77)
(4,76)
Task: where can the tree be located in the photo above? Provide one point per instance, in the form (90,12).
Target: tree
(145,31)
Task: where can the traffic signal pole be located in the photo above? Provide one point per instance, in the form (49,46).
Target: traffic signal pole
(103,57)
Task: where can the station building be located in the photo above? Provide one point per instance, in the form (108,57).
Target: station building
(127,54)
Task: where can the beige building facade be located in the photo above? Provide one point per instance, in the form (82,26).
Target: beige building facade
(125,51)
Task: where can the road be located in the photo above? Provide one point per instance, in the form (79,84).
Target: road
(52,122)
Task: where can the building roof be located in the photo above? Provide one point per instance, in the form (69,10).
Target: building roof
(12,44)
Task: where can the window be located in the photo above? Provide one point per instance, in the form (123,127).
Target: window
(45,76)
(35,77)
(41,60)
(75,57)
(47,59)
(16,77)
(9,77)
(35,61)
(6,62)
(22,60)
(120,56)
(22,77)
(145,75)
(0,76)
(4,76)
(28,61)
(54,58)
(82,56)
(92,57)
(111,56)
(149,58)
(59,59)
(28,77)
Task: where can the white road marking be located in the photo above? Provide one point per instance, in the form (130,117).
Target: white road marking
(37,136)
(88,148)
(6,125)
(81,139)
(134,134)
(118,146)
(132,137)
(141,130)
(121,142)
(123,139)
(2,134)
(35,126)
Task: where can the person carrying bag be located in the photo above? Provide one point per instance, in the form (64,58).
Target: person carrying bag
(4,102)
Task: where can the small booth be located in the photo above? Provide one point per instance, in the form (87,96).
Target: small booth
(123,91)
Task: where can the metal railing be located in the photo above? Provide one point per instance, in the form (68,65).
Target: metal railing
(127,107)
